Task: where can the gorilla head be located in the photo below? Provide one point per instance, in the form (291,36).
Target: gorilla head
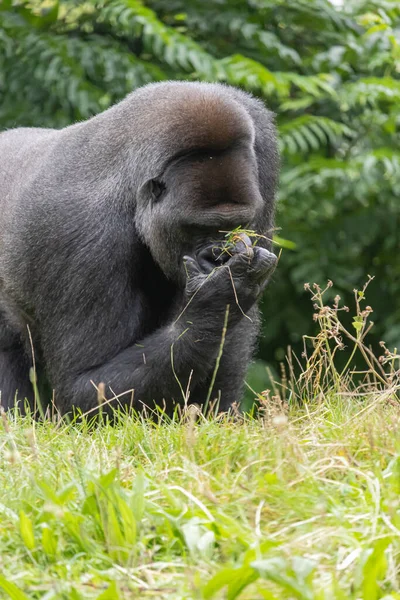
(205,179)
(107,226)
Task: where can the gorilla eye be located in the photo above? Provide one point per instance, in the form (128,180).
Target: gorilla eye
(157,188)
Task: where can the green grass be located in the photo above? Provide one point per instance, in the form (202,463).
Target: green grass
(300,503)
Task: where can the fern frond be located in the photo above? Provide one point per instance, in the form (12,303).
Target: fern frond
(129,18)
(367,91)
(107,64)
(357,174)
(53,72)
(308,133)
(316,86)
(250,74)
(241,28)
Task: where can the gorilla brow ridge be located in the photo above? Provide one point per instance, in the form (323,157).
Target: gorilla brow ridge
(201,152)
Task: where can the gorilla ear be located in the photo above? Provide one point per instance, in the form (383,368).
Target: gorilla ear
(157,189)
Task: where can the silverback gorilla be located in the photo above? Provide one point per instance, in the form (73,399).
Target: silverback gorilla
(108,230)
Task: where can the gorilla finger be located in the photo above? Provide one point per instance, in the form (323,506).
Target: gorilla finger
(239,264)
(191,267)
(243,245)
(264,263)
(209,258)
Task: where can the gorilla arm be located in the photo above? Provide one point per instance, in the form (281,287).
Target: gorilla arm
(237,353)
(160,366)
(155,370)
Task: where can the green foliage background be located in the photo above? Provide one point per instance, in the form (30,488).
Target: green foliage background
(330,74)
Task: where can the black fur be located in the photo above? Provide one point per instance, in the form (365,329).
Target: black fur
(105,229)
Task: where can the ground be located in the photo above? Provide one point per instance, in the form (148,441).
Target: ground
(298,502)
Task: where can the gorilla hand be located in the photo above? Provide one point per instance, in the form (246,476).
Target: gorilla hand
(238,281)
(215,254)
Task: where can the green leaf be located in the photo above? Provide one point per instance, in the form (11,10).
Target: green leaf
(374,569)
(235,579)
(108,478)
(358,323)
(294,577)
(113,533)
(288,244)
(199,539)
(242,579)
(266,594)
(111,593)
(138,499)
(75,595)
(12,590)
(49,542)
(26,529)
(128,520)
(49,15)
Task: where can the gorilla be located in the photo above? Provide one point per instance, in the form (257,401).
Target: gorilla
(111,288)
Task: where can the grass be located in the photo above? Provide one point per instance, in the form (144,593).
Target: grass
(298,504)
(301,501)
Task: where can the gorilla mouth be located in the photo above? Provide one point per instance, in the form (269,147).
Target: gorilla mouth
(227,208)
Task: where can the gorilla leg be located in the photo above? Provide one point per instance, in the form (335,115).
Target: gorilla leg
(14,377)
(14,367)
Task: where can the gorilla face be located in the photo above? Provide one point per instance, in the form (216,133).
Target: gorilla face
(194,200)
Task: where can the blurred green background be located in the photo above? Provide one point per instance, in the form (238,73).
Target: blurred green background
(330,72)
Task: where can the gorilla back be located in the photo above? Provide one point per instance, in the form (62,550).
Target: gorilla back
(108,238)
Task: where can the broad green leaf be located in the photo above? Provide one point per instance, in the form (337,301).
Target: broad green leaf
(288,244)
(12,590)
(108,478)
(111,593)
(49,542)
(374,570)
(26,529)
(294,577)
(128,520)
(234,579)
